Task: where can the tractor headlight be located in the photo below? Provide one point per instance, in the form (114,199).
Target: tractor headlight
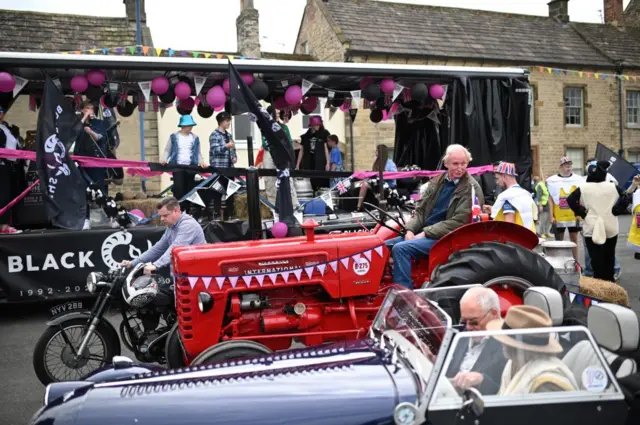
(92,282)
(205,302)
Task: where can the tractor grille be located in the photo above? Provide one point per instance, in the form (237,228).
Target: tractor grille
(185,302)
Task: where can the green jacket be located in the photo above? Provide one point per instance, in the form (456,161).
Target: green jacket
(459,212)
(542,193)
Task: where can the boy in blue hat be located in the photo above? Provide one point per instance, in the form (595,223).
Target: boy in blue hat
(183,148)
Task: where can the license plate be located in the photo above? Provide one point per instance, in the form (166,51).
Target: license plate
(66,307)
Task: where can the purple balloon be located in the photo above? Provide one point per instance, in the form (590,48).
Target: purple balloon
(248,78)
(79,83)
(160,85)
(182,90)
(216,97)
(293,95)
(7,82)
(387,86)
(96,77)
(279,230)
(436,91)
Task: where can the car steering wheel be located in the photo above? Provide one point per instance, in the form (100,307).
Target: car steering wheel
(403,229)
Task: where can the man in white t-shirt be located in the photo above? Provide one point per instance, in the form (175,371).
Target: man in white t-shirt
(183,148)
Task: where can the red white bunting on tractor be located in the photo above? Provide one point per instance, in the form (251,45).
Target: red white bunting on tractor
(309,271)
(378,250)
(247,279)
(345,262)
(368,254)
(356,258)
(206,281)
(334,266)
(260,279)
(272,277)
(321,268)
(192,281)
(233,280)
(284,275)
(220,281)
(298,273)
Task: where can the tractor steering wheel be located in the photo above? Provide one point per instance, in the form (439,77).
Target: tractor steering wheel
(403,229)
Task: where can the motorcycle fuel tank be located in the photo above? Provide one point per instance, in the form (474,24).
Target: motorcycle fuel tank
(345,383)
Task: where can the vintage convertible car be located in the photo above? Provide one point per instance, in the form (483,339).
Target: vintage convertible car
(401,374)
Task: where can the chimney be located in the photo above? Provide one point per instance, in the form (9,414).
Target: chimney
(559,9)
(248,30)
(613,12)
(131,10)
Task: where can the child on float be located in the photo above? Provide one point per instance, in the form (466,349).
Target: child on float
(633,240)
(514,204)
(335,157)
(562,217)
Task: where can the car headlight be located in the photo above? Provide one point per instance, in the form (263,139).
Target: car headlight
(92,282)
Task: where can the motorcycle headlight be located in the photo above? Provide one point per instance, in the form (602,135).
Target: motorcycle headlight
(92,282)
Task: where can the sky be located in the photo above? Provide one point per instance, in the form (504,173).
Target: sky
(209,25)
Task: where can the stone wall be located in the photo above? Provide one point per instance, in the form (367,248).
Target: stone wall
(320,35)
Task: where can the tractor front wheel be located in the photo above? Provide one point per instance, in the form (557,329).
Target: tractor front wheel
(507,268)
(230,350)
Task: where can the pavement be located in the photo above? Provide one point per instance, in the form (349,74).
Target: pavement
(21,393)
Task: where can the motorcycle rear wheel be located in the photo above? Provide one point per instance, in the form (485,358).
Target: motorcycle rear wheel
(108,338)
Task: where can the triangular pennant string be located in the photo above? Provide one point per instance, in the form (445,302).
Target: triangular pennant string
(378,250)
(306,86)
(260,279)
(321,268)
(193,281)
(199,82)
(220,281)
(233,280)
(297,273)
(367,254)
(273,277)
(334,265)
(309,271)
(345,262)
(206,281)
(285,276)
(247,279)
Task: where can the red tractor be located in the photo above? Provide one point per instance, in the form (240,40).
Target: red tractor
(245,298)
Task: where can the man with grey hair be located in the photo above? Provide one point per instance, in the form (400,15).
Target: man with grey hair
(182,230)
(478,362)
(445,206)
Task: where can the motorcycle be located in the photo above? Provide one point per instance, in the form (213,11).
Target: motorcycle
(148,314)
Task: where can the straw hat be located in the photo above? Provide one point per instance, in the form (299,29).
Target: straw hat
(526,317)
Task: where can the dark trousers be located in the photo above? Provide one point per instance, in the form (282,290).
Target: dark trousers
(217,200)
(602,258)
(183,182)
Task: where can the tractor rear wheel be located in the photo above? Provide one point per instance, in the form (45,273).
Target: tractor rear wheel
(230,350)
(507,268)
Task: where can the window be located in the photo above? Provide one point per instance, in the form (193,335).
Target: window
(305,47)
(319,111)
(576,155)
(574,106)
(633,157)
(242,128)
(633,108)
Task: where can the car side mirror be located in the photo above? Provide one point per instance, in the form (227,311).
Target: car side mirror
(473,401)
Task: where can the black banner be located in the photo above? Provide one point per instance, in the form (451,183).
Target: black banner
(621,169)
(54,264)
(279,145)
(64,188)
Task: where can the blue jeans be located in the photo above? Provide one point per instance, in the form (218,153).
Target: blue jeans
(402,252)
(588,271)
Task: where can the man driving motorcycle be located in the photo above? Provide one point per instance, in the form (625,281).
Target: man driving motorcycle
(182,230)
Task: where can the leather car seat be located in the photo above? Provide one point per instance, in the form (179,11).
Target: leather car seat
(616,330)
(548,300)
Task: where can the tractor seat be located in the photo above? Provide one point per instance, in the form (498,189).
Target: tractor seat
(548,300)
(615,329)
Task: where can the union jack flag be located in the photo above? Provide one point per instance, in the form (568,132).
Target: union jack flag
(476,209)
(343,186)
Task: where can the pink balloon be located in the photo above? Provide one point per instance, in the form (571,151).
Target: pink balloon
(225,85)
(248,78)
(7,82)
(387,85)
(293,95)
(188,103)
(96,77)
(345,107)
(280,103)
(137,213)
(218,108)
(365,82)
(310,103)
(182,90)
(385,115)
(436,91)
(216,97)
(160,85)
(79,83)
(279,229)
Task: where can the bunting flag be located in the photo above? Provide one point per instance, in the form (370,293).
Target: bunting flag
(359,262)
(138,50)
(582,74)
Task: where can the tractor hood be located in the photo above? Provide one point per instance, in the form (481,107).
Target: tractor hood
(345,383)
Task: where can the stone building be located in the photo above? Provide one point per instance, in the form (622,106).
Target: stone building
(572,112)
(23,31)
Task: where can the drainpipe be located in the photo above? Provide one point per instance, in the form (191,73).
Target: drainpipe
(620,114)
(143,181)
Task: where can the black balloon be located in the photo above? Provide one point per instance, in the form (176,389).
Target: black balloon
(93,93)
(126,108)
(305,111)
(371,92)
(205,111)
(182,111)
(260,89)
(168,97)
(419,92)
(110,100)
(376,116)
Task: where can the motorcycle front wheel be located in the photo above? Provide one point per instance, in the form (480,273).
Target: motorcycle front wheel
(54,358)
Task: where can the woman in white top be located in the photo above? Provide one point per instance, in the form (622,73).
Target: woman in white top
(183,148)
(598,202)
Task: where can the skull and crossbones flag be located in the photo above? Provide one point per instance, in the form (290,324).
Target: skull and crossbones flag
(244,101)
(61,182)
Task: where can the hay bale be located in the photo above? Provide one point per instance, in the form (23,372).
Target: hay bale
(128,195)
(604,290)
(141,195)
(242,209)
